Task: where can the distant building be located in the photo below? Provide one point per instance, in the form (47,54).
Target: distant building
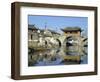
(42,37)
(72,31)
(54,33)
(32,32)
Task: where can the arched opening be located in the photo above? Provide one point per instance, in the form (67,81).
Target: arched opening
(69,41)
(59,42)
(71,46)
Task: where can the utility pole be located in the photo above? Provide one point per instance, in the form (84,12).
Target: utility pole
(45,25)
(56,29)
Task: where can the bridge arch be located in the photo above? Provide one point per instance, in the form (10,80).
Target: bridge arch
(59,42)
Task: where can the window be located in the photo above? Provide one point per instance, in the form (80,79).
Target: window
(31,36)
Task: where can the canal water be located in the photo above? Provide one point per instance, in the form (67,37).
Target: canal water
(58,56)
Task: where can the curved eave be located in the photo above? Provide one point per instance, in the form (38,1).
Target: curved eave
(32,29)
(71,30)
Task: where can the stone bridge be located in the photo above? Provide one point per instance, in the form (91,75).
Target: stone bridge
(80,41)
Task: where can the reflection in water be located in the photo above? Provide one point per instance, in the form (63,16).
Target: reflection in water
(58,56)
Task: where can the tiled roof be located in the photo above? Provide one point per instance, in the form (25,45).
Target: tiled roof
(52,31)
(69,29)
(32,27)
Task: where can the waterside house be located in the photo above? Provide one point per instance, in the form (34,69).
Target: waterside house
(42,38)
